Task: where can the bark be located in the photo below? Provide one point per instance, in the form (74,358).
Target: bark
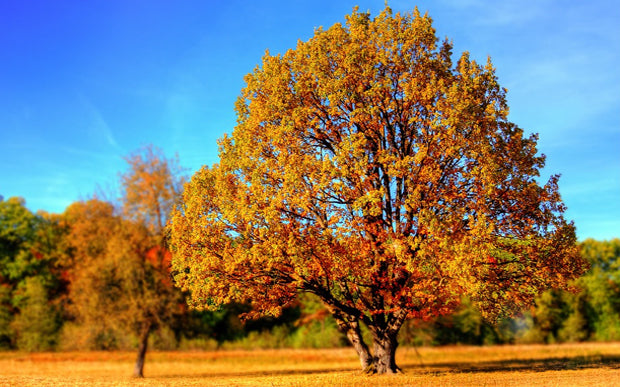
(351,328)
(138,371)
(354,334)
(384,348)
(384,333)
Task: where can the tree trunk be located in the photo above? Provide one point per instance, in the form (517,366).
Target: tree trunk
(354,334)
(138,371)
(384,347)
(351,328)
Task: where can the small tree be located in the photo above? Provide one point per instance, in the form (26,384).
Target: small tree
(369,169)
(150,188)
(121,277)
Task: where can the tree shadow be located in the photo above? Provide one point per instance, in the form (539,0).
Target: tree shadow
(413,367)
(531,365)
(266,373)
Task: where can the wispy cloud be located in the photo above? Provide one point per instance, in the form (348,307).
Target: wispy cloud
(98,124)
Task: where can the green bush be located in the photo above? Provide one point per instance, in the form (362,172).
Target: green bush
(6,317)
(37,324)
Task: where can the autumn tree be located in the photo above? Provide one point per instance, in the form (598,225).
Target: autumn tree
(97,303)
(122,264)
(150,189)
(371,170)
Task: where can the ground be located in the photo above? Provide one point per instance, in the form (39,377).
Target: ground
(556,365)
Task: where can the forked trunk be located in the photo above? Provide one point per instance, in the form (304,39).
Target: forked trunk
(138,371)
(384,361)
(384,342)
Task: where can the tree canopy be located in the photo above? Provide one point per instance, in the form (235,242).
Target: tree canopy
(370,169)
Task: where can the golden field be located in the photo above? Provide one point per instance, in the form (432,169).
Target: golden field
(591,364)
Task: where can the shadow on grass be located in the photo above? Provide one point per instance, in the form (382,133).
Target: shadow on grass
(532,365)
(255,374)
(511,365)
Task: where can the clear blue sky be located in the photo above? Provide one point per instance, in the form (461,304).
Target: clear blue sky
(83,83)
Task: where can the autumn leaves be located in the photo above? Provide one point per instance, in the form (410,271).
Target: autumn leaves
(363,138)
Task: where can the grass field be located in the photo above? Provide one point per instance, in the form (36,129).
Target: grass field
(553,365)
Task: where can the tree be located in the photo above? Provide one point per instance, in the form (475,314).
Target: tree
(602,287)
(592,312)
(122,264)
(31,288)
(151,187)
(369,169)
(98,303)
(17,234)
(18,229)
(38,321)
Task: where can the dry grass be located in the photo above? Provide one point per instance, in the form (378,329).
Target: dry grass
(554,365)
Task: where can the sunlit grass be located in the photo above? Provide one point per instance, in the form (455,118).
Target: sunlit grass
(561,365)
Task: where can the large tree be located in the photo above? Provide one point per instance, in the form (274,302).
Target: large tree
(369,169)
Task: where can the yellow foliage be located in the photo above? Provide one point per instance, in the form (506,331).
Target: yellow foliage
(367,168)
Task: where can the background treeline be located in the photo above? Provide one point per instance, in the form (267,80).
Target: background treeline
(97,277)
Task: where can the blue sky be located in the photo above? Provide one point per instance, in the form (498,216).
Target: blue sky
(84,83)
